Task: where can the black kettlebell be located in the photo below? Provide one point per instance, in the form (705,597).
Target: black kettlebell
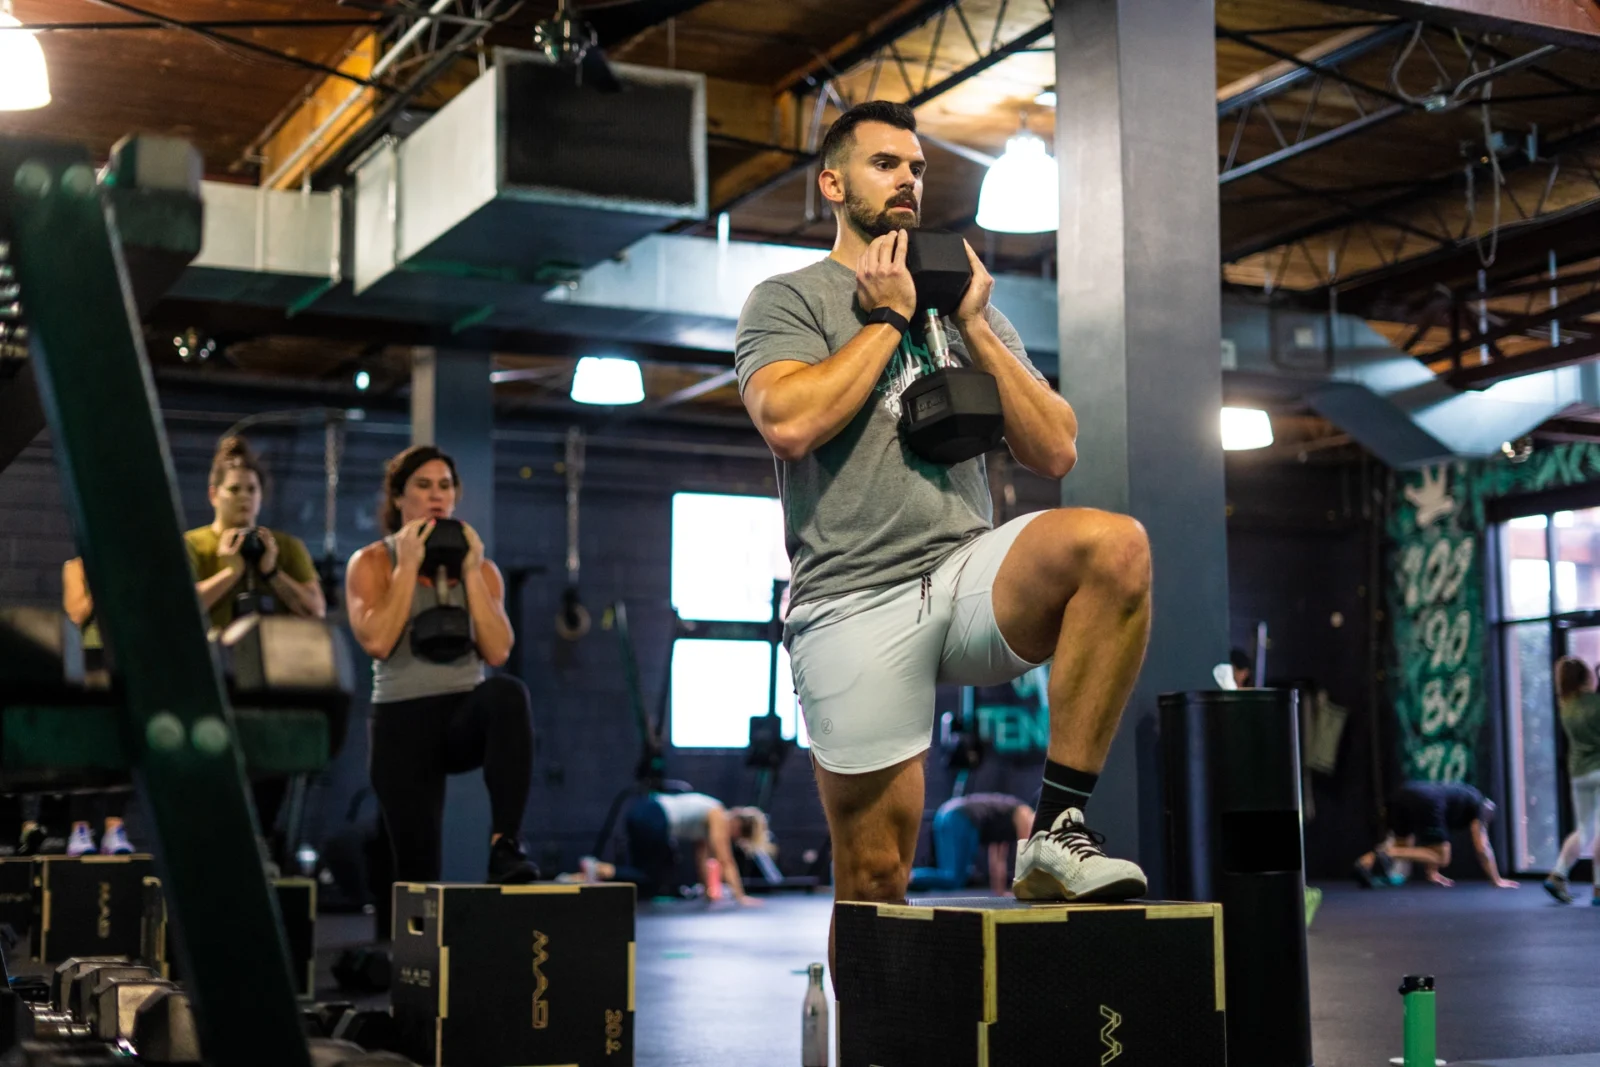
(443,633)
(954,413)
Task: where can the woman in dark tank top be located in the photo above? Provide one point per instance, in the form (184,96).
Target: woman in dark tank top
(433,718)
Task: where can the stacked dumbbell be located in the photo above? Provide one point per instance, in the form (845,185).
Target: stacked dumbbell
(94,1007)
(107,1009)
(13,330)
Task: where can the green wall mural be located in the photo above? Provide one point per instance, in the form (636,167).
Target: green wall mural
(1437,678)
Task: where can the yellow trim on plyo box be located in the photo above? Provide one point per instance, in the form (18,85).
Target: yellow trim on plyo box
(633,955)
(1030,915)
(983,1045)
(904,911)
(1179,911)
(444,982)
(991,971)
(1216,956)
(522,890)
(110,859)
(438,919)
(438,1042)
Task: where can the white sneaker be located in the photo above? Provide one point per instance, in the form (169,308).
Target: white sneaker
(1066,863)
(81,843)
(114,842)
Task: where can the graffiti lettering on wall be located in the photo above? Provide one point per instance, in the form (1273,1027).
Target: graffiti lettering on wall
(1015,719)
(1436,601)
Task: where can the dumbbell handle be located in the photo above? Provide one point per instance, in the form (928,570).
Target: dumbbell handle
(938,343)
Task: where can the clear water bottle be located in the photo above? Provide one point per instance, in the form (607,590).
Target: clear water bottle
(814,1021)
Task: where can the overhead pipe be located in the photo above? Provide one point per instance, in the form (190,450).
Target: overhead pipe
(379,69)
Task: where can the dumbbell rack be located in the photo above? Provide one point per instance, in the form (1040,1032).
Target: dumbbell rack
(180,734)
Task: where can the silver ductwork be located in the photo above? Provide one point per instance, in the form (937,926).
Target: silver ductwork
(1388,401)
(526,179)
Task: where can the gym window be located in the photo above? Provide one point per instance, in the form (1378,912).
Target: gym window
(1546,604)
(727,551)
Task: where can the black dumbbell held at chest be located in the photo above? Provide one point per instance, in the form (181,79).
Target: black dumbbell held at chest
(443,633)
(952,414)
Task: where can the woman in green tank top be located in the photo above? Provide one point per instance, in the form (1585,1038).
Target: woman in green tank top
(1579,706)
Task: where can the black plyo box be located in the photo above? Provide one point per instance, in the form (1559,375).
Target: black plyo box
(17,905)
(993,981)
(297,902)
(514,976)
(88,906)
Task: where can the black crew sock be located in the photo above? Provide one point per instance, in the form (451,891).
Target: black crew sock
(1064,787)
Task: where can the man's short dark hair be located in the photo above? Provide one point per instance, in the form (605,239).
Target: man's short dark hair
(1240,659)
(841,135)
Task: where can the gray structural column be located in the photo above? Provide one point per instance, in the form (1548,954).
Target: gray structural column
(452,407)
(1139,288)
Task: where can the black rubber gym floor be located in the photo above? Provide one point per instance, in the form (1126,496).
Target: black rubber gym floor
(1518,976)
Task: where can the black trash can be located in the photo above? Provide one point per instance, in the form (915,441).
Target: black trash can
(1231,763)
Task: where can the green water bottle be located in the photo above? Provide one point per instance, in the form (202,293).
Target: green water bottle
(1416,991)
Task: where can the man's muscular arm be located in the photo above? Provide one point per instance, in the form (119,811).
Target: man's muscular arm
(1041,427)
(799,407)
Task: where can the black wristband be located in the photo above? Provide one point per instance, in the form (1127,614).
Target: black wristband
(269,577)
(889,317)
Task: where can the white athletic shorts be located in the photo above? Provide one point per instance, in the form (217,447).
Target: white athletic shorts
(866,663)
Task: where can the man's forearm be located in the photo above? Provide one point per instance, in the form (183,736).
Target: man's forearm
(805,410)
(1040,425)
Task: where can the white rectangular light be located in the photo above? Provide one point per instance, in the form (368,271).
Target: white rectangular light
(1244,428)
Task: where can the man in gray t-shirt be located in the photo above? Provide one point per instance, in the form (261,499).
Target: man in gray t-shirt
(900,581)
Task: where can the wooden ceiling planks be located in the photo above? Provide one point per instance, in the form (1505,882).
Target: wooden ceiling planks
(107,83)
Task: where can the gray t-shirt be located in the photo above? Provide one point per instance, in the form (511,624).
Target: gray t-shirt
(862,510)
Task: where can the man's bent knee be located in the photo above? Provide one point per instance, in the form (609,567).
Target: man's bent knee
(1115,553)
(878,879)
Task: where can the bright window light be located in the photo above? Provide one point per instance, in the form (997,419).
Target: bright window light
(719,686)
(607,380)
(24,78)
(726,553)
(1022,191)
(1244,428)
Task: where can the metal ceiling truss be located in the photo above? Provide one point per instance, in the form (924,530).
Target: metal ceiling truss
(1555,310)
(1391,235)
(961,41)
(1333,93)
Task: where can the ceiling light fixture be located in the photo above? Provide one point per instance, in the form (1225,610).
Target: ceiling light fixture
(1245,428)
(1022,191)
(24,78)
(1047,98)
(363,380)
(607,380)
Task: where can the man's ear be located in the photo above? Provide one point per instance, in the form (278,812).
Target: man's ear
(831,184)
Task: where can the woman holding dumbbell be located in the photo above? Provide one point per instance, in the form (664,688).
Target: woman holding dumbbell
(241,567)
(238,564)
(429,607)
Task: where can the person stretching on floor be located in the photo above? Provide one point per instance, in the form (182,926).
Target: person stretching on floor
(1422,816)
